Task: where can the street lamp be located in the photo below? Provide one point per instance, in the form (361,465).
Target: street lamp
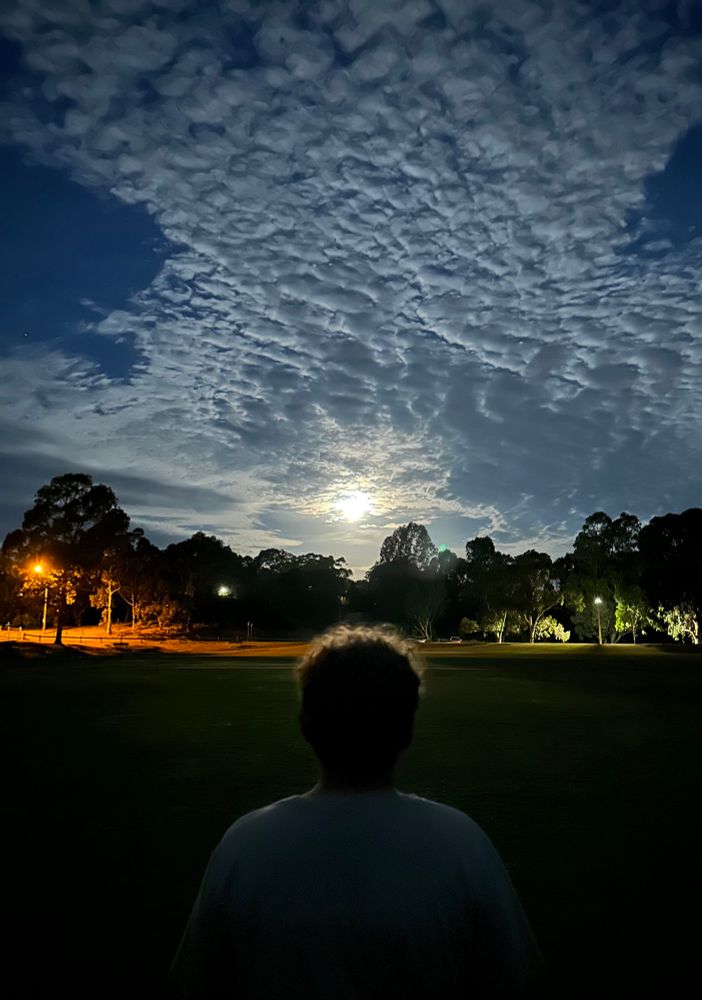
(598,601)
(39,569)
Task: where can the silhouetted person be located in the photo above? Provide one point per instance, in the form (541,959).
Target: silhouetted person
(355,889)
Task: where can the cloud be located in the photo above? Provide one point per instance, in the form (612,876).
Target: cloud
(401,265)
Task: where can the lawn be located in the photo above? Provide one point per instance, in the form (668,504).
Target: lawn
(121,773)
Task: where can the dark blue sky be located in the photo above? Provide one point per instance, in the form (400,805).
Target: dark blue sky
(257,258)
(673,196)
(66,247)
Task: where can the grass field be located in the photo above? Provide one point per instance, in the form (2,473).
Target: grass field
(121,774)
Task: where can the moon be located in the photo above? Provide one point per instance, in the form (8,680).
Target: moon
(352,506)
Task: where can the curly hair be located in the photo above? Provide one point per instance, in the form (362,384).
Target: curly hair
(359,690)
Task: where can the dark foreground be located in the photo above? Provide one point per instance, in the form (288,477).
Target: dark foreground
(122,773)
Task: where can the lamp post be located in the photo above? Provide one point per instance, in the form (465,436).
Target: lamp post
(38,569)
(598,601)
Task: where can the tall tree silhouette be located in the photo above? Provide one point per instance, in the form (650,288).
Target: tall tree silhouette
(68,530)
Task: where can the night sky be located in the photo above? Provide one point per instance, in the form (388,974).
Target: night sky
(256,255)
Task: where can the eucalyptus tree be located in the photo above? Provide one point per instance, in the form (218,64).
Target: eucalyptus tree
(489,584)
(671,550)
(302,591)
(536,588)
(633,614)
(11,583)
(71,526)
(404,585)
(409,543)
(602,585)
(128,569)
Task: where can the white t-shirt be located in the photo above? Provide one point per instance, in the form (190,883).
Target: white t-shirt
(352,897)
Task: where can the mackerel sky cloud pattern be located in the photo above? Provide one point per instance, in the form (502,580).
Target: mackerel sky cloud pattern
(446,253)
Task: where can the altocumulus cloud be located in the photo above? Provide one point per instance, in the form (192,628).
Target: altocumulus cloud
(411,253)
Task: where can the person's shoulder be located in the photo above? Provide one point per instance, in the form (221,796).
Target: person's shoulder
(267,812)
(442,814)
(439,809)
(250,825)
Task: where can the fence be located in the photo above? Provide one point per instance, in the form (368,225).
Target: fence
(72,636)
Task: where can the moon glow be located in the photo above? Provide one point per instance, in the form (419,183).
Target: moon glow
(352,506)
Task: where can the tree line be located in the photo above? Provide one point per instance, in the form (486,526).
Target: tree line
(77,560)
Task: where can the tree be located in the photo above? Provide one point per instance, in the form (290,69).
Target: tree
(399,582)
(192,571)
(121,566)
(108,586)
(591,617)
(536,588)
(671,550)
(632,613)
(681,622)
(500,623)
(450,569)
(548,628)
(163,611)
(37,583)
(495,623)
(488,586)
(388,585)
(468,627)
(425,601)
(602,569)
(273,560)
(140,575)
(313,588)
(294,592)
(71,525)
(11,581)
(593,546)
(409,543)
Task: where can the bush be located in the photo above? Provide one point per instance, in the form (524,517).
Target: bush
(468,626)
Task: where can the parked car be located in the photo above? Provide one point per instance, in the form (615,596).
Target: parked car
(456,638)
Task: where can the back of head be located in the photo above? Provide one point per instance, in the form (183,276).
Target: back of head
(359,694)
